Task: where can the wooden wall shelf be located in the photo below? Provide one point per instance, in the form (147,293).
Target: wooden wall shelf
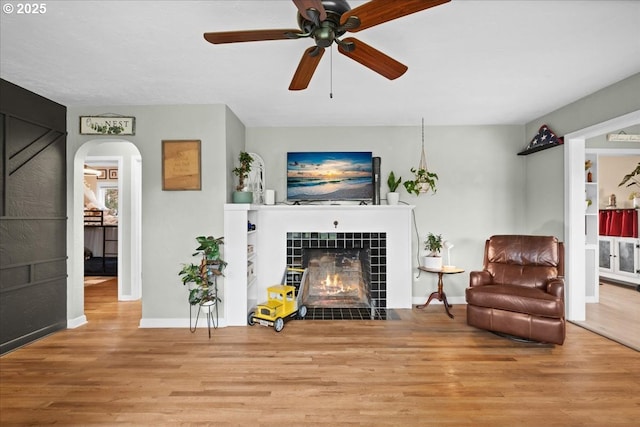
(538,148)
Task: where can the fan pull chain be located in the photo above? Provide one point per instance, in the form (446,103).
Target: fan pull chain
(330,73)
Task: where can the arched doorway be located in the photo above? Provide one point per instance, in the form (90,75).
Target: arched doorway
(129,166)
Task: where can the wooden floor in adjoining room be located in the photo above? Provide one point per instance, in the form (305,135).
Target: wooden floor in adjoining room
(424,369)
(616,315)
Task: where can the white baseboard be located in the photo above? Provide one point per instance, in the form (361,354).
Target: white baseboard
(76,322)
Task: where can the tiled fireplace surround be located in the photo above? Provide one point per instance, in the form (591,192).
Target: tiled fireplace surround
(298,242)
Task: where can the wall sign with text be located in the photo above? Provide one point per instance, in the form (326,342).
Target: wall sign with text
(107,125)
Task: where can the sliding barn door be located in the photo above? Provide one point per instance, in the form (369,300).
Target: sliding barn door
(33,273)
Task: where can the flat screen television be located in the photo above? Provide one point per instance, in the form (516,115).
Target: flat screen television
(332,175)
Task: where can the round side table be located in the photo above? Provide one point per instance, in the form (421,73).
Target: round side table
(439,294)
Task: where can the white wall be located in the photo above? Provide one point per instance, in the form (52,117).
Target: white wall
(170,219)
(480,190)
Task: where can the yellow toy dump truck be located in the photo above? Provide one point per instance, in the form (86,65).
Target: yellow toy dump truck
(281,306)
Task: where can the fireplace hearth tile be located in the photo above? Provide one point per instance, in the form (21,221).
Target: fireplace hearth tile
(320,313)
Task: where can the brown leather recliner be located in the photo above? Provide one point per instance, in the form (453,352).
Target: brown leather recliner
(520,291)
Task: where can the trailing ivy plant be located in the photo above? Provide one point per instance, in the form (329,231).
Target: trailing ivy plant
(423,182)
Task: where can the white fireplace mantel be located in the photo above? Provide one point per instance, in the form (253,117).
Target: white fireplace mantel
(269,240)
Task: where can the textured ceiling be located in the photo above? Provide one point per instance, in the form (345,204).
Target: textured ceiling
(470,61)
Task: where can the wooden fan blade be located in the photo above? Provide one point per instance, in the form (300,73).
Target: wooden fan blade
(303,5)
(373,59)
(376,12)
(306,68)
(249,36)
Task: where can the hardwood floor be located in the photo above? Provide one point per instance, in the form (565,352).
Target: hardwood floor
(616,315)
(424,369)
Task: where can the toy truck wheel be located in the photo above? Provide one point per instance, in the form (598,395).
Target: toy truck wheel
(278,324)
(250,318)
(302,311)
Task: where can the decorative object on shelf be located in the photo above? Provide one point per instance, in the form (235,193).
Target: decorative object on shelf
(423,179)
(202,280)
(587,166)
(433,245)
(448,246)
(545,138)
(589,202)
(242,193)
(393,197)
(269,197)
(631,176)
(612,201)
(181,165)
(256,179)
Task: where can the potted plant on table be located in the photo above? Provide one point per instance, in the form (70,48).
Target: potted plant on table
(242,195)
(423,182)
(201,278)
(433,245)
(393,196)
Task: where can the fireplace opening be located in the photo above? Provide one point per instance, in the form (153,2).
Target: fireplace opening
(336,278)
(369,247)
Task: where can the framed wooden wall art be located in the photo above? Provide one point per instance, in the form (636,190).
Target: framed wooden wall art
(181,169)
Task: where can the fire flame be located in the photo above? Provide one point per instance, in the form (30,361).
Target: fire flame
(334,286)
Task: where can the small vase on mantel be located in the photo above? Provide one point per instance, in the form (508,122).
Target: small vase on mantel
(393,198)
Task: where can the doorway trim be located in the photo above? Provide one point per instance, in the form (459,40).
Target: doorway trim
(574,223)
(75,280)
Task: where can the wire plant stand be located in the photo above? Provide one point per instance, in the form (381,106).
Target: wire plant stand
(208,308)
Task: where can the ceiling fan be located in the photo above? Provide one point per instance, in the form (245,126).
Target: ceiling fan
(327,20)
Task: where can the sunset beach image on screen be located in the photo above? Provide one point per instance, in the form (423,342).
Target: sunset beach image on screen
(329,176)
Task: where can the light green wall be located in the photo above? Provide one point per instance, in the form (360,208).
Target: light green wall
(480,189)
(544,171)
(170,219)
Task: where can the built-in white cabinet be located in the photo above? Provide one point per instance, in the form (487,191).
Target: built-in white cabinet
(591,227)
(241,232)
(619,258)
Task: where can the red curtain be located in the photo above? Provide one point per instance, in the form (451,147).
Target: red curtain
(619,223)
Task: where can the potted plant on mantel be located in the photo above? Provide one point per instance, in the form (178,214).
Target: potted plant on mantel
(201,278)
(242,195)
(433,245)
(634,196)
(423,182)
(393,196)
